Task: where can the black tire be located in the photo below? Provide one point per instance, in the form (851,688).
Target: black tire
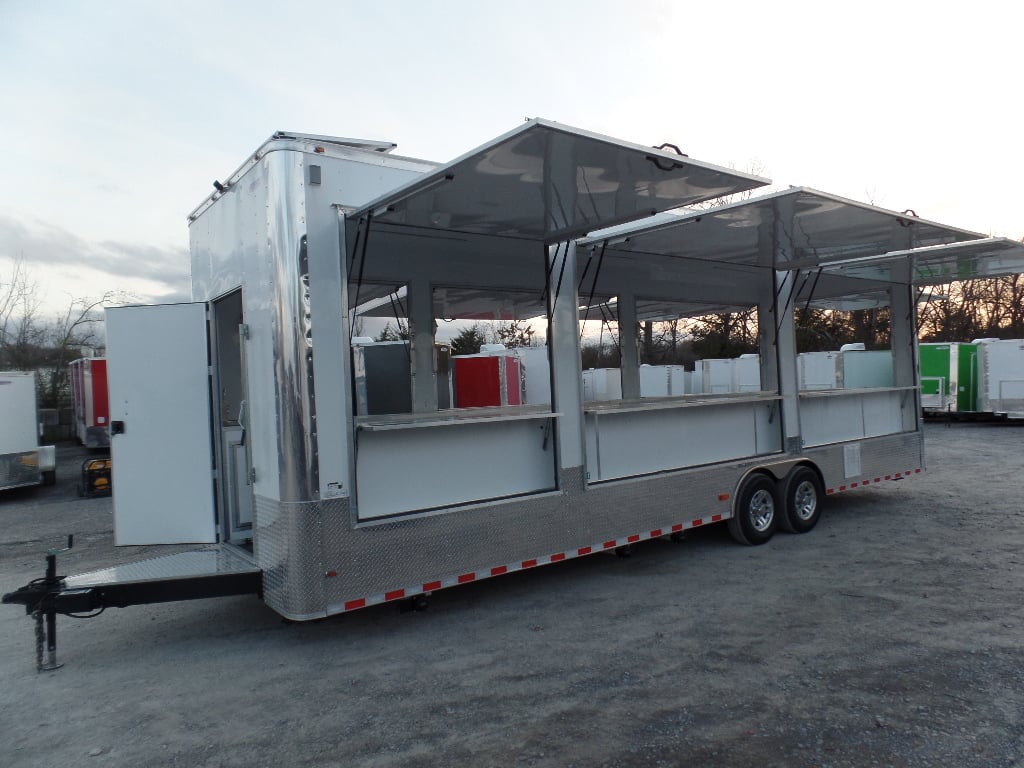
(802,495)
(50,477)
(756,511)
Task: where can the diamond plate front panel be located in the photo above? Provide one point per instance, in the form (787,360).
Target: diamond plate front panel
(288,547)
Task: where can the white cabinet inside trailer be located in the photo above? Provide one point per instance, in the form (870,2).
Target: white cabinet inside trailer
(160,424)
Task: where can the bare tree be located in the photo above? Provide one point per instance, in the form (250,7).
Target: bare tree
(75,327)
(29,342)
(19,311)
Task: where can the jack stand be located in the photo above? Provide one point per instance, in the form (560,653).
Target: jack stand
(51,583)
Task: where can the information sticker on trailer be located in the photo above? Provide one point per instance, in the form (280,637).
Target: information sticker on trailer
(335,490)
(851,460)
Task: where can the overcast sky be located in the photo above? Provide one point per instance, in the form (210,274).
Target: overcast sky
(115,117)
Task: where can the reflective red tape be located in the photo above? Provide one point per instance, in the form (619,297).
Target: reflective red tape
(499,570)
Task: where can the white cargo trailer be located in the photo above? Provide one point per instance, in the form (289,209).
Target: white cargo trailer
(294,490)
(23,461)
(1001,377)
(819,370)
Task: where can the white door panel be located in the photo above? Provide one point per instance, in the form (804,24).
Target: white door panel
(159,392)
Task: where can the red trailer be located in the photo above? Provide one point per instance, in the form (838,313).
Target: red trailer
(490,378)
(89,400)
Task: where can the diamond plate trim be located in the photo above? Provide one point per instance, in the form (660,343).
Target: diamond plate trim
(316,562)
(17,469)
(287,545)
(884,458)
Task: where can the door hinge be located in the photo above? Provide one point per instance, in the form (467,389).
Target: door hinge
(252,475)
(243,331)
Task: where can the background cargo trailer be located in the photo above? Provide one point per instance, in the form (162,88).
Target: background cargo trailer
(820,370)
(88,377)
(22,460)
(1001,377)
(949,377)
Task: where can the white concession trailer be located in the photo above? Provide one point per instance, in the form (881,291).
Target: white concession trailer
(321,507)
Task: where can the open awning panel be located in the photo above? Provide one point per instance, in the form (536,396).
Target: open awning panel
(937,265)
(549,182)
(796,227)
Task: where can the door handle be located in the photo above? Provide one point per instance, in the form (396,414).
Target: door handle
(241,421)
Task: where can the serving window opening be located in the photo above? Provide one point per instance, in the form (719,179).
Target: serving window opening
(855,362)
(451,388)
(677,371)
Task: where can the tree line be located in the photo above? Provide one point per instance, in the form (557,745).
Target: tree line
(31,340)
(960,311)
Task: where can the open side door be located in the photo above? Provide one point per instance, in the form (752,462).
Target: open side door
(159,388)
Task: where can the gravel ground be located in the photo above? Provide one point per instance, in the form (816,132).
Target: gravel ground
(890,635)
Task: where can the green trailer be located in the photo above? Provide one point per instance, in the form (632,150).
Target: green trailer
(949,377)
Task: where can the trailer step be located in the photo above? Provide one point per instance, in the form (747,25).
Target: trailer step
(209,562)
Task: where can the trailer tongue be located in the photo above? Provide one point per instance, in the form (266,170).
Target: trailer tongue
(207,572)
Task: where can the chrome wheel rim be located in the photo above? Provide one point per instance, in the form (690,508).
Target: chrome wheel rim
(805,500)
(761,510)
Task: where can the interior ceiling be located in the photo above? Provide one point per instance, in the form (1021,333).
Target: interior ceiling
(455,303)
